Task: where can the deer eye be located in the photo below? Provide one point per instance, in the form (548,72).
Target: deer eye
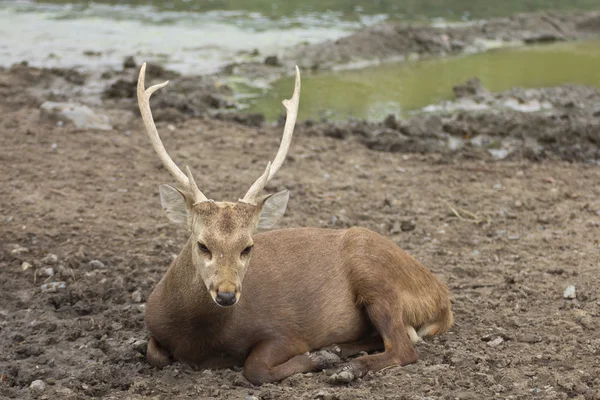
(247,250)
(202,247)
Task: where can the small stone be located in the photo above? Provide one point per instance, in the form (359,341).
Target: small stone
(407,226)
(53,286)
(342,377)
(19,250)
(137,296)
(321,395)
(48,272)
(25,266)
(251,398)
(97,264)
(140,345)
(496,342)
(497,186)
(50,259)
(37,386)
(570,292)
(514,237)
(476,253)
(518,204)
(529,338)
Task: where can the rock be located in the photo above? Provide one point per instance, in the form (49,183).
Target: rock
(48,272)
(570,293)
(19,250)
(97,264)
(543,37)
(80,115)
(472,87)
(121,89)
(137,296)
(50,259)
(37,386)
(25,266)
(129,62)
(53,286)
(273,61)
(496,342)
(251,398)
(140,345)
(529,338)
(407,226)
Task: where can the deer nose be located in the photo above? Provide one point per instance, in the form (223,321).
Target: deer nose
(226,298)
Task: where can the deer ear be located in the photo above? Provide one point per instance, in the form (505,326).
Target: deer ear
(272,208)
(174,203)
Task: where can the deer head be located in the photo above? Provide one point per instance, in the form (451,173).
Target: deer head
(221,232)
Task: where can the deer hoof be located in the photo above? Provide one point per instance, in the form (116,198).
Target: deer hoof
(324,359)
(345,376)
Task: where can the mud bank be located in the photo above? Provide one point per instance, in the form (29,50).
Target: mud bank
(396,41)
(558,122)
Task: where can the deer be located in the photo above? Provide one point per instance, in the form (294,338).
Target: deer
(282,301)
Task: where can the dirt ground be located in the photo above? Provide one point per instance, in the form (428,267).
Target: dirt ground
(80,207)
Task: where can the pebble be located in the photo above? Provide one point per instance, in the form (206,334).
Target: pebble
(137,296)
(140,345)
(50,259)
(25,266)
(53,286)
(496,342)
(407,226)
(570,292)
(251,398)
(37,385)
(97,264)
(48,272)
(19,250)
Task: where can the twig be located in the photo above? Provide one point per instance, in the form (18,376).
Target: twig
(58,192)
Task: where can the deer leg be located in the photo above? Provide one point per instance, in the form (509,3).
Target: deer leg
(398,347)
(157,355)
(345,350)
(274,361)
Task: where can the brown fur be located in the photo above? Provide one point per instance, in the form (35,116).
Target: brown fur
(306,289)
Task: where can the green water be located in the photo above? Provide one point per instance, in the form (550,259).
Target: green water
(375,92)
(354,9)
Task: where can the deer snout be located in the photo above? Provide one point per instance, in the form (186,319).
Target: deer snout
(226,299)
(225,294)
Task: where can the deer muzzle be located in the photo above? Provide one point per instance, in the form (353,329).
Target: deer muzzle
(225,294)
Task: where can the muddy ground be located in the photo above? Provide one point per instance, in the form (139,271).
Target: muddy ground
(502,205)
(393,41)
(83,242)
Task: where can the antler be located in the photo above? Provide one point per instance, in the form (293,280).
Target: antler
(291,107)
(144,103)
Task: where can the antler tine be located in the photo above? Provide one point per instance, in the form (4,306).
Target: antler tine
(144,105)
(291,107)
